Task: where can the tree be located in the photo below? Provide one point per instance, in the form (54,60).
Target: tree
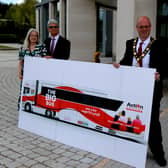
(23,16)
(3,9)
(23,13)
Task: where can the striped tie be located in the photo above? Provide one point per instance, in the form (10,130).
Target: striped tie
(140,53)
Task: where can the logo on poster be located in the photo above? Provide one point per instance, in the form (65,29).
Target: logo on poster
(134,107)
(50,97)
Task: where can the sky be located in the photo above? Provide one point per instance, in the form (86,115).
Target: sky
(12,1)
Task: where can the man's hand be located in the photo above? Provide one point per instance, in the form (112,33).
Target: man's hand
(116,65)
(157,76)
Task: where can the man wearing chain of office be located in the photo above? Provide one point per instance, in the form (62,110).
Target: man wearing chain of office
(145,51)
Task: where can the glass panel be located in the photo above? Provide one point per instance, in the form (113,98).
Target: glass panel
(164,30)
(162,22)
(162,19)
(56,10)
(105,26)
(44,15)
(164,9)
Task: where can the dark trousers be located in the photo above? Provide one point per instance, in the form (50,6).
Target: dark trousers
(155,133)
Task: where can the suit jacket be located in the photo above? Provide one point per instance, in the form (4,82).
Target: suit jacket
(62,48)
(157,59)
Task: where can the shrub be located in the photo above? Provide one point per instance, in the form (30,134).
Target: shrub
(8,38)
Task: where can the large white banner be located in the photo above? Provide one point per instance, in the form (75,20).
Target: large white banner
(77,102)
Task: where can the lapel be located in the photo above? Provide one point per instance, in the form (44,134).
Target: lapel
(58,44)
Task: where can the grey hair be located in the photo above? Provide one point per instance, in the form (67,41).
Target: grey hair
(52,21)
(26,41)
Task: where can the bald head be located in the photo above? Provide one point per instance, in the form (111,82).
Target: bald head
(143,19)
(143,27)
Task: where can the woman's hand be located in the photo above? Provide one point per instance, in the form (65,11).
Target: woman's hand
(20,66)
(20,76)
(48,56)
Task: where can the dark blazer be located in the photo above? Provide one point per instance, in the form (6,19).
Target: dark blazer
(157,58)
(62,49)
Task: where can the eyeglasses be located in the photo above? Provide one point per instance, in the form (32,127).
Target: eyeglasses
(144,27)
(32,35)
(51,27)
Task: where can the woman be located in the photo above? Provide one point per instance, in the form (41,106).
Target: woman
(31,47)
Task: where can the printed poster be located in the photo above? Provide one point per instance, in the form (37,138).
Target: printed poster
(91,101)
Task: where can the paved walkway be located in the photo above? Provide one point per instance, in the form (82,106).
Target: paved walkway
(13,45)
(22,149)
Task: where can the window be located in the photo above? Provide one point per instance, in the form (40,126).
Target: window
(26,90)
(47,9)
(105,31)
(162,23)
(162,19)
(56,13)
(44,20)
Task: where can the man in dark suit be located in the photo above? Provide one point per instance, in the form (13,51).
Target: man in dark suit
(145,51)
(57,46)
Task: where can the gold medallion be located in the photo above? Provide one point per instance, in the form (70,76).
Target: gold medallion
(138,58)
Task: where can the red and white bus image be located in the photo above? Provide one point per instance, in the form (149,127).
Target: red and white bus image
(76,106)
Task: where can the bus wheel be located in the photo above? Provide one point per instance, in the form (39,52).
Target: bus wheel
(28,107)
(48,113)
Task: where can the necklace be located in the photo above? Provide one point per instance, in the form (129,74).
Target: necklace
(137,57)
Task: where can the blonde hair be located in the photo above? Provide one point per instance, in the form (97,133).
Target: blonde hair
(26,43)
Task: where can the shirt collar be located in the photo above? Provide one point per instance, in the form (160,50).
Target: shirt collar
(55,37)
(144,42)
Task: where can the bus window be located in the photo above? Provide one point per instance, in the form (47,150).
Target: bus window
(26,90)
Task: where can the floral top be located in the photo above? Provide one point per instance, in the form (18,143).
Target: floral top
(39,51)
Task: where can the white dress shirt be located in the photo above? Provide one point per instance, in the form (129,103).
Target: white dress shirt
(146,58)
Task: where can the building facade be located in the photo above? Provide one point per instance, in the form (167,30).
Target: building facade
(100,25)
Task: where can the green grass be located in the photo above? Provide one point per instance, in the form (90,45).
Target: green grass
(6,47)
